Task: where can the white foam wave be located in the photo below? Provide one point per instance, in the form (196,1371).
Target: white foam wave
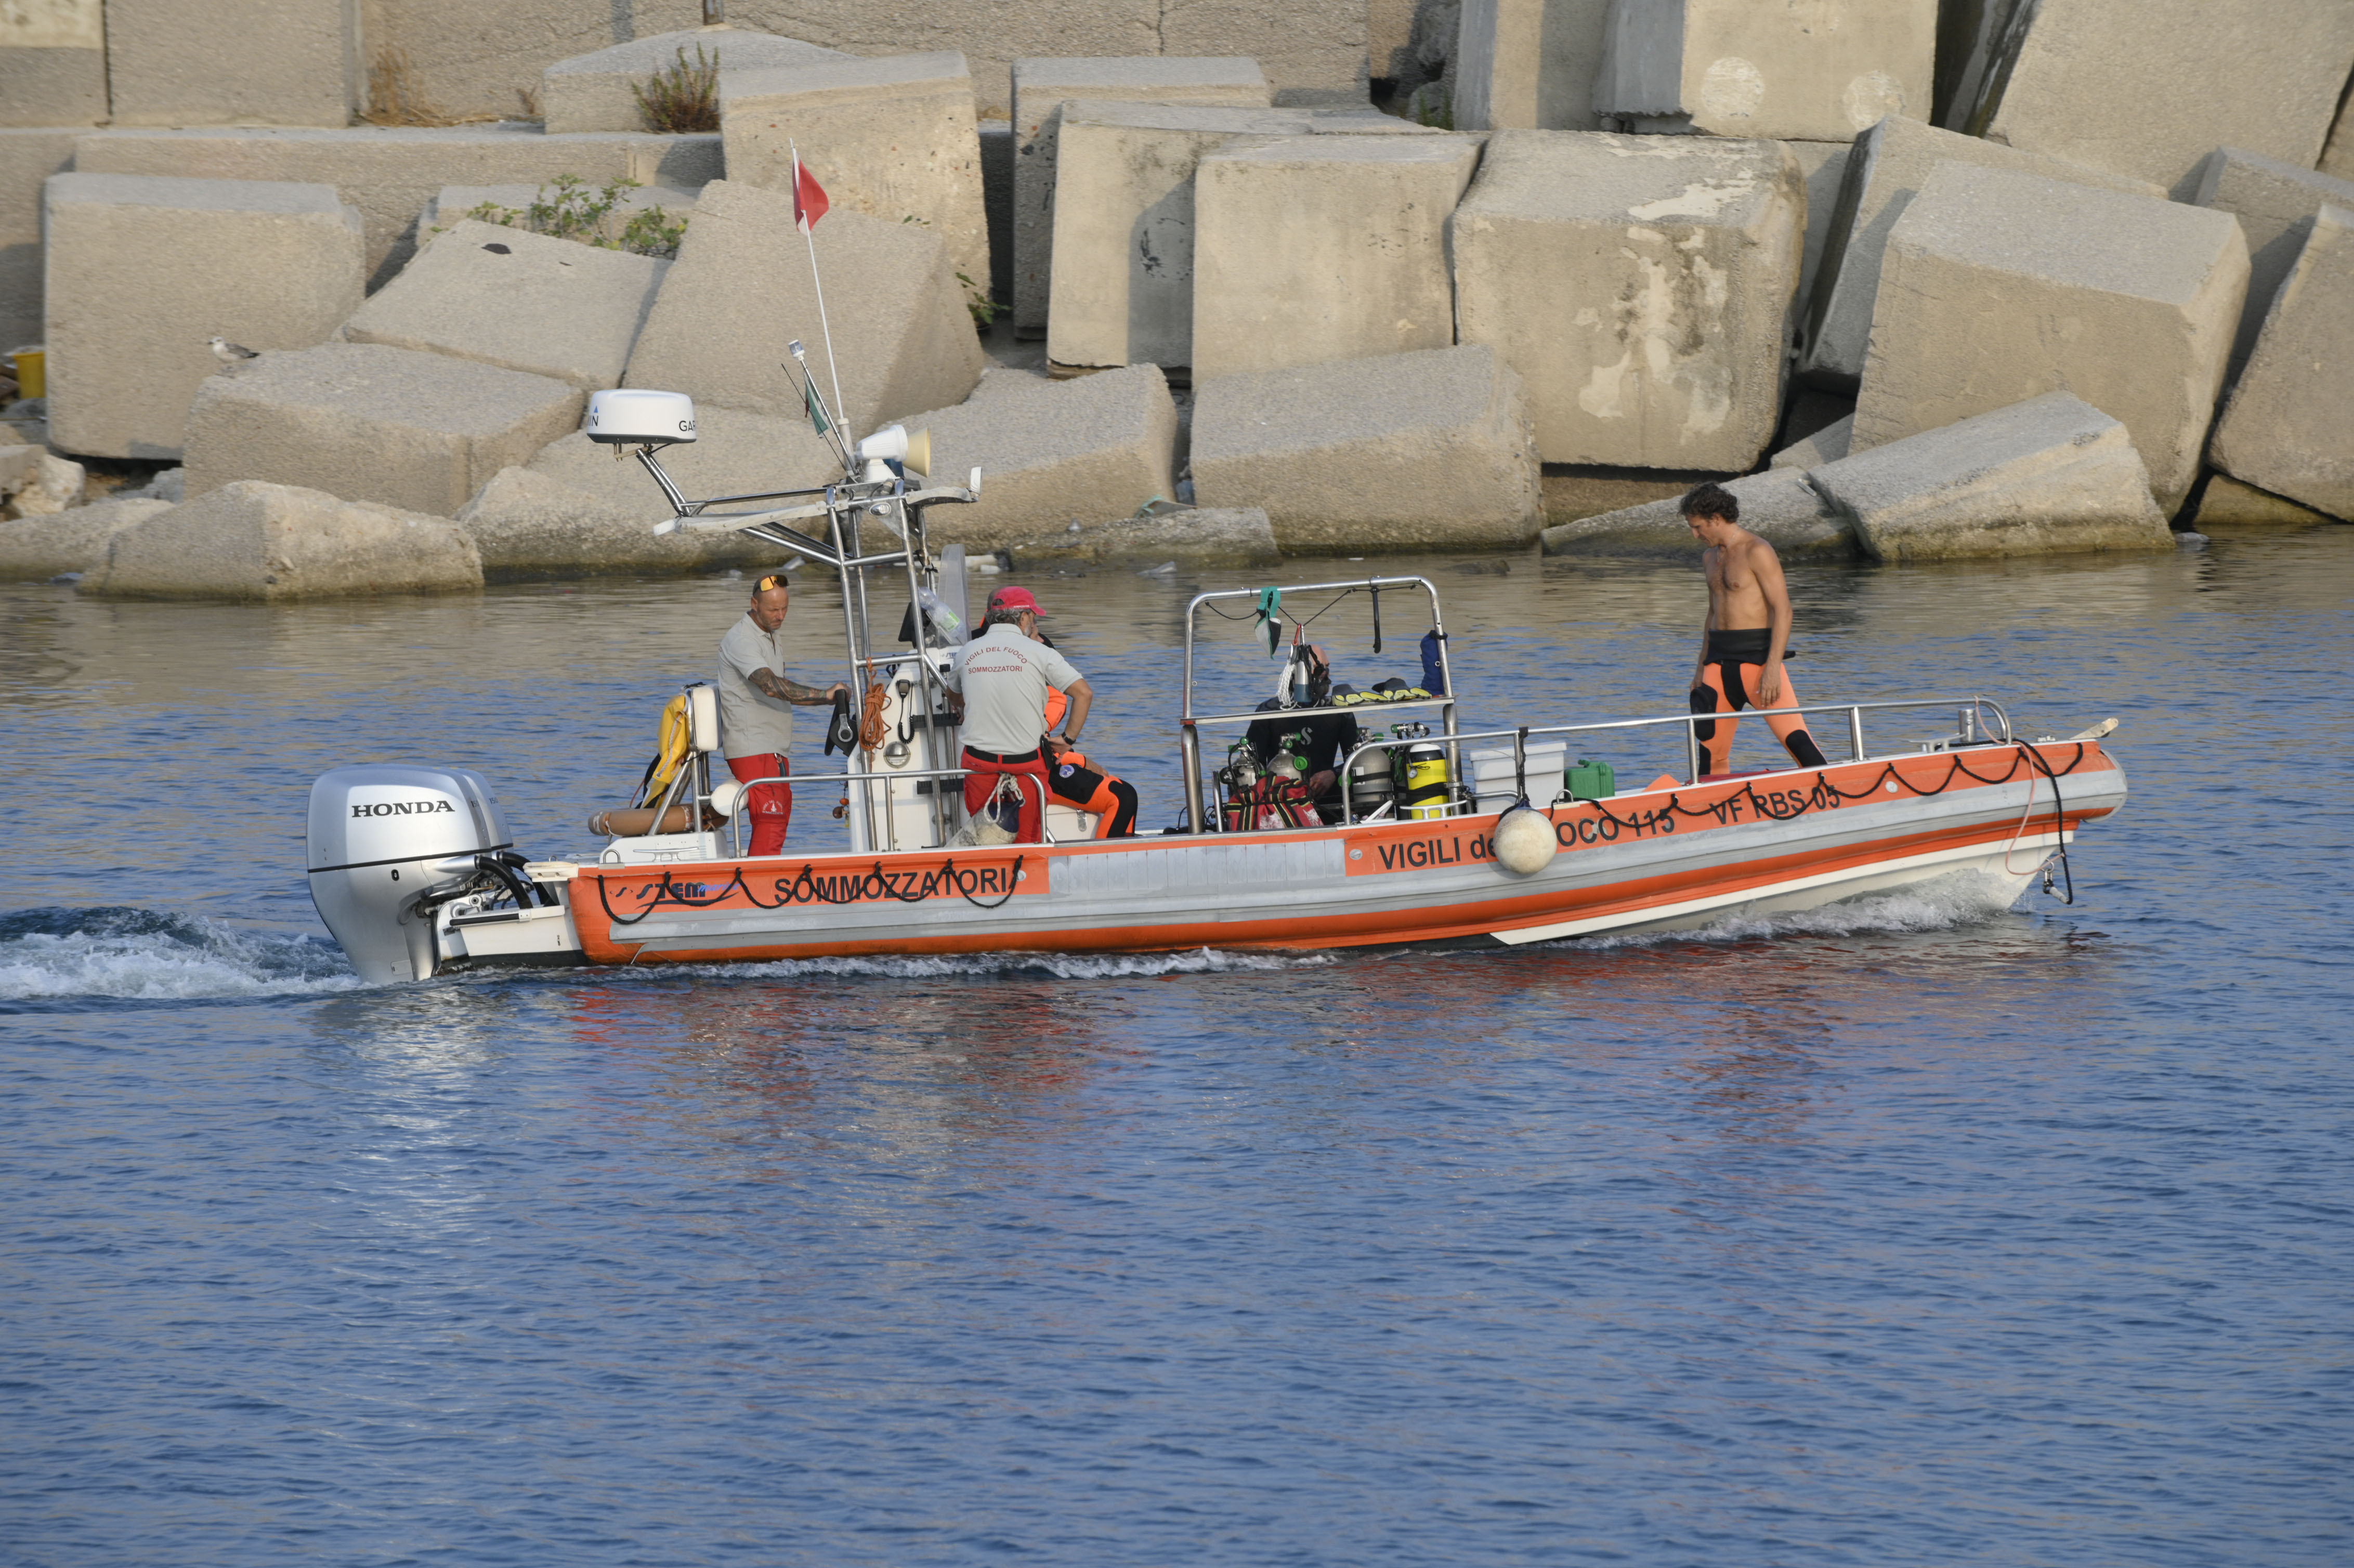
(1060,966)
(183,960)
(1961,898)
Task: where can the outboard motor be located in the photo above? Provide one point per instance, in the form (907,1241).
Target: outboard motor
(388,846)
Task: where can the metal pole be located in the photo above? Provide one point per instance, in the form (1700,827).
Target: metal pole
(862,837)
(1189,745)
(1855,732)
(1691,747)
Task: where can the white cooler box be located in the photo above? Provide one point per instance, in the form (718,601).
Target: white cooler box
(1491,774)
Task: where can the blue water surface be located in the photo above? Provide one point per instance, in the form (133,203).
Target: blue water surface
(1913,1232)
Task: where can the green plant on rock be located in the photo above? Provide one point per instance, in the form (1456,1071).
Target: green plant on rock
(682,98)
(573,213)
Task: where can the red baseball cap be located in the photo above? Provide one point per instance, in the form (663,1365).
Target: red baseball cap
(1015,598)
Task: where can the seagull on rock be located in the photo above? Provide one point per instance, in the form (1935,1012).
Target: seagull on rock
(229,352)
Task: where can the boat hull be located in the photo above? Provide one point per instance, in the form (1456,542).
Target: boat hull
(1661,860)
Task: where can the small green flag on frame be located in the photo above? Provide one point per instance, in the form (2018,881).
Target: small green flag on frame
(816,414)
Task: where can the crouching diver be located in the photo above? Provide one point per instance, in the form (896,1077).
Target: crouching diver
(1329,737)
(1069,779)
(1745,636)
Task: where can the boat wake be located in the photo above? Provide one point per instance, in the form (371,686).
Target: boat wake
(47,955)
(1007,966)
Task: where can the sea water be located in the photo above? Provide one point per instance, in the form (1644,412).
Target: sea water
(1934,1228)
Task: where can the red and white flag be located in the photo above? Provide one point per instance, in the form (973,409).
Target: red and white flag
(809,198)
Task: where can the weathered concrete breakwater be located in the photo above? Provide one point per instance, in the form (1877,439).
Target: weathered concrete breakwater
(2114,306)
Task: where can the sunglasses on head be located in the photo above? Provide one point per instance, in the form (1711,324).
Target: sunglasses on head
(774,580)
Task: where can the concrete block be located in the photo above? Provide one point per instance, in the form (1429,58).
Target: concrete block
(597,91)
(1820,71)
(1316,248)
(273,541)
(529,525)
(739,292)
(1826,445)
(520,301)
(2047,476)
(2151,86)
(735,453)
(2289,427)
(37,482)
(476,60)
(27,158)
(1431,450)
(1577,490)
(142,271)
(1123,288)
(1052,451)
(418,432)
(1041,87)
(1528,65)
(2228,503)
(894,138)
(36,549)
(390,174)
(1313,51)
(2275,203)
(1880,180)
(53,62)
(1778,505)
(1194,536)
(1996,286)
(1643,287)
(216,62)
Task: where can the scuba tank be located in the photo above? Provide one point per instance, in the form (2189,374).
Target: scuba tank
(1372,786)
(1424,769)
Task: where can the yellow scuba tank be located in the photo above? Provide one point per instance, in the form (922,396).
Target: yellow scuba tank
(1425,798)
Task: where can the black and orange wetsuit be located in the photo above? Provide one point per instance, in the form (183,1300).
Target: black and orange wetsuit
(1070,780)
(1735,662)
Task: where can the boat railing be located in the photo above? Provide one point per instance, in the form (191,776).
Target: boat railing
(1975,708)
(849,777)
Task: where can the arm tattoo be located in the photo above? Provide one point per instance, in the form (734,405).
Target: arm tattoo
(787,690)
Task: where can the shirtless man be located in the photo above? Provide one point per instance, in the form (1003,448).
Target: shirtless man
(1743,640)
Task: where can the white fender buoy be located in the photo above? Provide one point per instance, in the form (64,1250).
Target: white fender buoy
(725,795)
(1524,839)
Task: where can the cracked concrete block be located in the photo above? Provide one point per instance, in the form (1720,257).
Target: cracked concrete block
(740,293)
(27,158)
(1642,286)
(1429,450)
(2047,476)
(528,524)
(1778,505)
(1315,248)
(2289,427)
(894,138)
(1820,71)
(1123,285)
(1996,286)
(418,432)
(390,174)
(142,271)
(519,301)
(1050,452)
(1881,178)
(274,541)
(2150,87)
(53,63)
(2275,203)
(216,62)
(597,91)
(1528,65)
(35,549)
(1041,88)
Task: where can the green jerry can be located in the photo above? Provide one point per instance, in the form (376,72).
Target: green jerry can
(1590,781)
